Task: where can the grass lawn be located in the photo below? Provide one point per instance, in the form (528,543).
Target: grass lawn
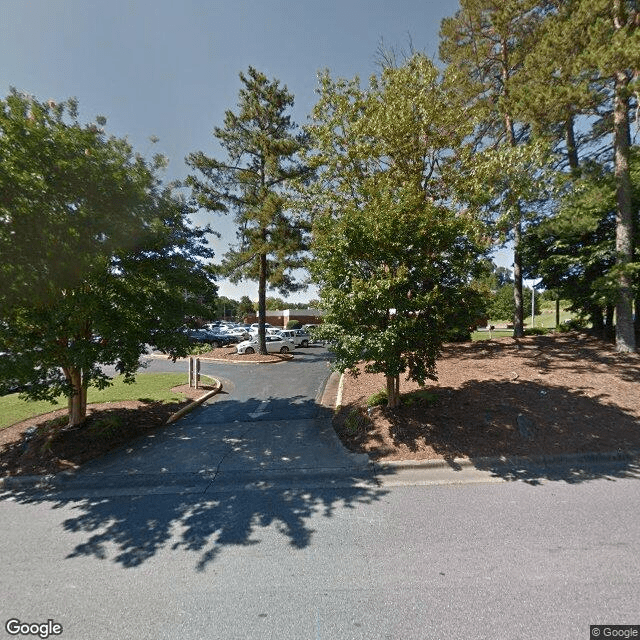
(148,386)
(486,335)
(546,319)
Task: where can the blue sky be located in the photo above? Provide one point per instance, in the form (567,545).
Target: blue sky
(169,68)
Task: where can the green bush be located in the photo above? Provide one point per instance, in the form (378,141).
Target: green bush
(294,324)
(536,331)
(421,396)
(378,398)
(502,305)
(575,324)
(356,420)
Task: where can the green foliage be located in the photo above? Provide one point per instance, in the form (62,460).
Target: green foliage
(294,324)
(573,250)
(420,396)
(378,398)
(226,307)
(97,259)
(392,261)
(245,307)
(106,428)
(199,349)
(356,420)
(575,324)
(502,305)
(275,304)
(536,331)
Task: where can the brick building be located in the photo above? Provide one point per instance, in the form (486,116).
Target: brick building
(280,318)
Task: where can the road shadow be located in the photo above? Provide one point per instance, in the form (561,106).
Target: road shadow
(510,428)
(225,500)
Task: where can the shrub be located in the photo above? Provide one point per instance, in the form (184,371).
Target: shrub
(575,324)
(356,420)
(421,396)
(294,324)
(378,398)
(536,331)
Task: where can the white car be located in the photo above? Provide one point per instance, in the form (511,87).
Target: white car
(299,337)
(275,344)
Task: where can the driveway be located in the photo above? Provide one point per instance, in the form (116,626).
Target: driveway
(266,425)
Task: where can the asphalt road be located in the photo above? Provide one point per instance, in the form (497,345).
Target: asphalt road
(533,557)
(495,561)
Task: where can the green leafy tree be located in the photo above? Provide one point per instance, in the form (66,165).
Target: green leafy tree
(573,250)
(275,304)
(245,307)
(262,147)
(226,307)
(501,305)
(392,261)
(111,260)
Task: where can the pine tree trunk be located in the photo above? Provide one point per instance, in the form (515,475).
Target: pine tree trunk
(518,314)
(625,334)
(262,304)
(572,149)
(609,329)
(597,322)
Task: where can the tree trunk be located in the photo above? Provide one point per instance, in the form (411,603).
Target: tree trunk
(597,321)
(393,391)
(78,400)
(625,335)
(262,304)
(572,149)
(518,314)
(609,329)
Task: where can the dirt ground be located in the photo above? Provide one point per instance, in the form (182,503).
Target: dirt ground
(554,394)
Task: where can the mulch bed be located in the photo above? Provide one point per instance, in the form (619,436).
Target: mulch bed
(229,353)
(540,395)
(43,445)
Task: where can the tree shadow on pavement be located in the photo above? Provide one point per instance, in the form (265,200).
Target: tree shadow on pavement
(243,493)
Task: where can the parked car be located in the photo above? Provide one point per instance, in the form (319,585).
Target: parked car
(275,344)
(204,336)
(299,337)
(237,335)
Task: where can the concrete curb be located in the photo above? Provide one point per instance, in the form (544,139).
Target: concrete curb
(196,403)
(593,458)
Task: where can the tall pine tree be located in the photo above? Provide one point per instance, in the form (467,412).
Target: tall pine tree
(484,45)
(262,146)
